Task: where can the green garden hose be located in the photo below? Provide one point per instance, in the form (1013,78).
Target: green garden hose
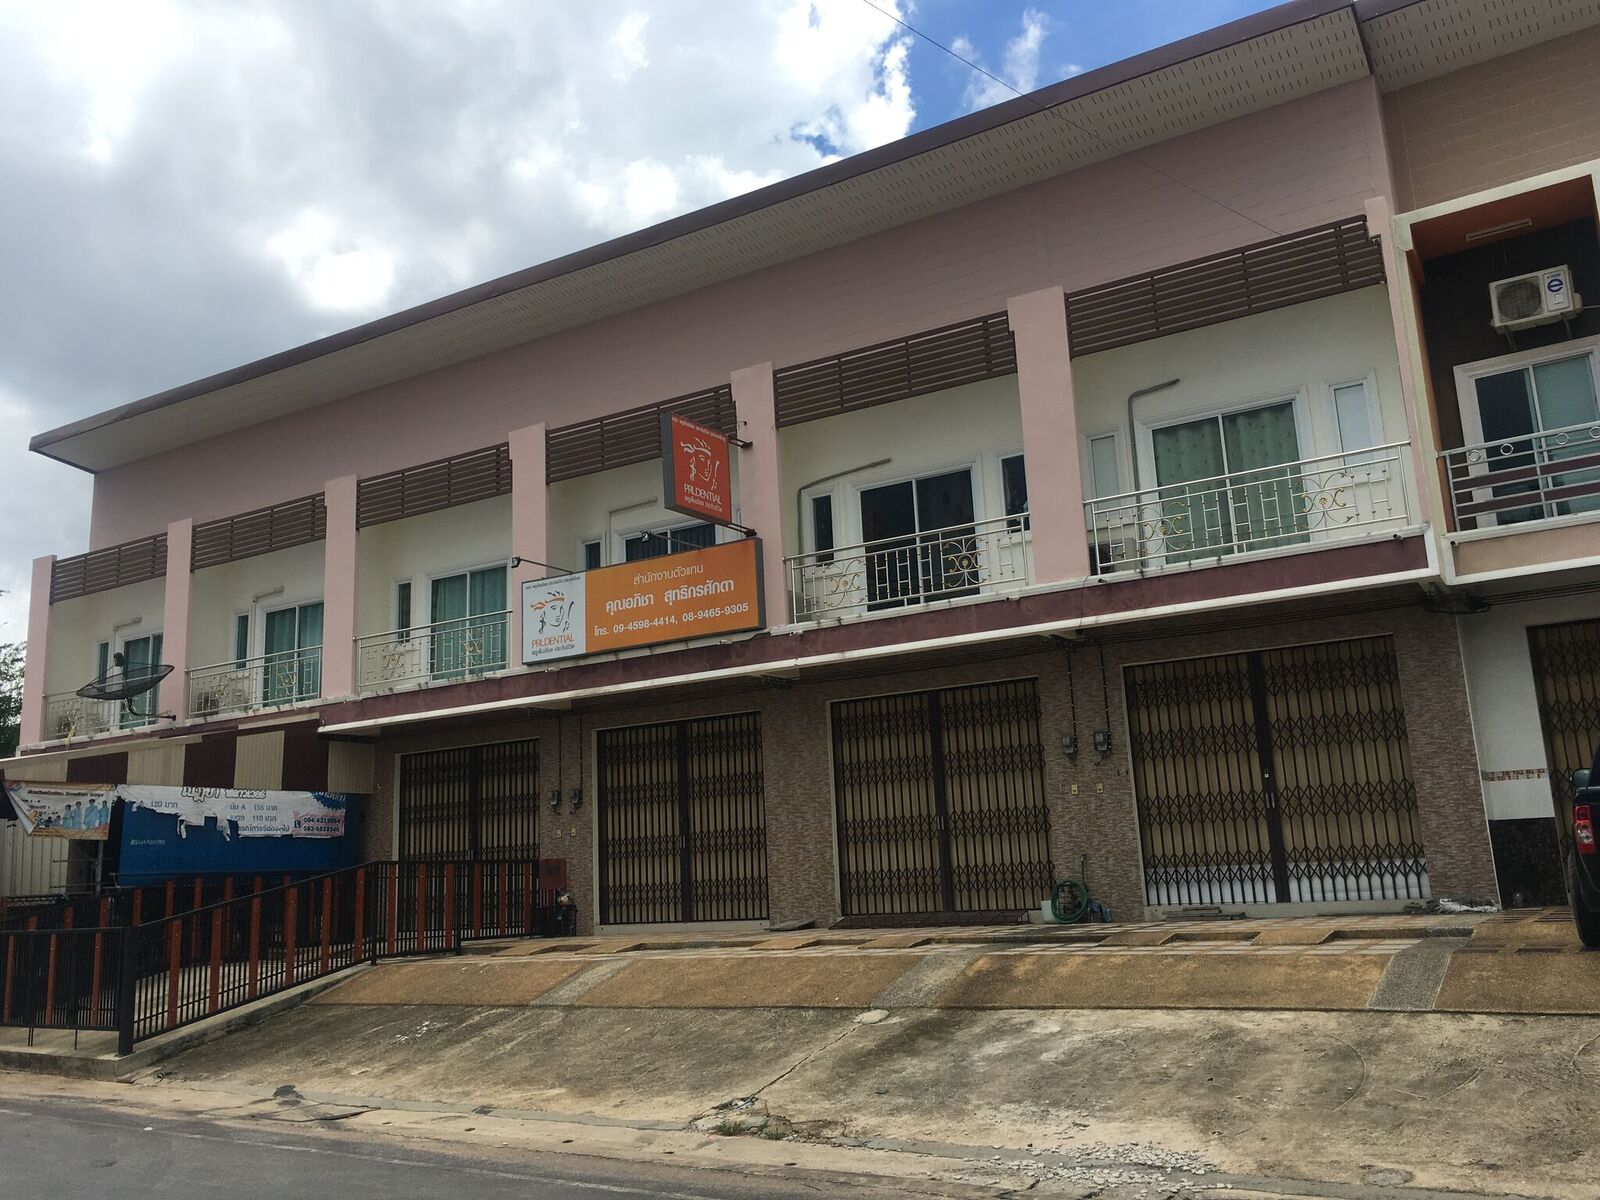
(1069,900)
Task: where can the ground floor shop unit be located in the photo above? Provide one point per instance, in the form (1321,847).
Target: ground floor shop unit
(1295,757)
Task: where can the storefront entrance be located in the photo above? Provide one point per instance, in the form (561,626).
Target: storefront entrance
(477,803)
(1276,776)
(940,799)
(683,822)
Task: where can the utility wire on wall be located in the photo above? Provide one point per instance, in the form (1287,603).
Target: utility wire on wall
(1055,111)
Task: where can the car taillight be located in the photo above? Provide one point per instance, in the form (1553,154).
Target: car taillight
(1583,828)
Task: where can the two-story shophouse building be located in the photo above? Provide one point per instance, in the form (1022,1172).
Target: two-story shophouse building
(1138,480)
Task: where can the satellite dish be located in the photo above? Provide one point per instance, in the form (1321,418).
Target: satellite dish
(126,682)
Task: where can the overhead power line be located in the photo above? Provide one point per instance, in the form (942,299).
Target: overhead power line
(1055,111)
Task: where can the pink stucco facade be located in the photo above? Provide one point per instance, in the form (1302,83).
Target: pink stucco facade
(1247,179)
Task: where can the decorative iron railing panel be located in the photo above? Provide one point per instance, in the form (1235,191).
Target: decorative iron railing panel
(1277,776)
(1309,502)
(248,684)
(1318,262)
(683,824)
(1535,477)
(114,567)
(479,803)
(443,652)
(633,436)
(443,483)
(942,564)
(261,531)
(68,715)
(931,361)
(940,799)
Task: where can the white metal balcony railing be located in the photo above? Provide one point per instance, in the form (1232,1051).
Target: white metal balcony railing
(941,564)
(266,681)
(442,652)
(1312,501)
(68,715)
(1534,477)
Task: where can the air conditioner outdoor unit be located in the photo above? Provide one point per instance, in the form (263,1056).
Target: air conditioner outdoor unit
(1524,301)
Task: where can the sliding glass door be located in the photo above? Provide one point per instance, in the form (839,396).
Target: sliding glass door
(469,623)
(1227,483)
(920,539)
(292,670)
(139,655)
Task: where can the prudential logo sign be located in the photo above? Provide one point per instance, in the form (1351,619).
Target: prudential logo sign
(553,618)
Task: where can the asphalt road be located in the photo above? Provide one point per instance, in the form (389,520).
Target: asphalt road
(66,1150)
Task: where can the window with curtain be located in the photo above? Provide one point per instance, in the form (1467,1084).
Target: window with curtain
(669,541)
(139,654)
(1227,483)
(469,623)
(1524,409)
(292,669)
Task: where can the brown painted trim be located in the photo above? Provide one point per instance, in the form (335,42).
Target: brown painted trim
(259,531)
(115,566)
(1093,599)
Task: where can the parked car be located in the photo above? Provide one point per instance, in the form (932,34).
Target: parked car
(1585,859)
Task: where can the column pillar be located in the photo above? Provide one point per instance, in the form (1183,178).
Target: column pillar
(174,694)
(761,480)
(340,570)
(530,523)
(1050,435)
(1414,387)
(33,671)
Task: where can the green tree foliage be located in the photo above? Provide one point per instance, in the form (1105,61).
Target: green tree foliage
(11,655)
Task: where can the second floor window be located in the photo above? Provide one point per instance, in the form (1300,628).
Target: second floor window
(469,622)
(292,643)
(669,541)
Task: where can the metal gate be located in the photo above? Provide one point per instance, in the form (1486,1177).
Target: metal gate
(1566,675)
(1277,776)
(470,802)
(683,822)
(940,799)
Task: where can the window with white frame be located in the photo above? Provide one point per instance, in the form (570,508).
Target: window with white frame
(1014,491)
(1355,415)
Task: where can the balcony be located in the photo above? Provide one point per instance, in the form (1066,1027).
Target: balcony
(1529,478)
(941,564)
(444,652)
(1305,503)
(68,716)
(245,685)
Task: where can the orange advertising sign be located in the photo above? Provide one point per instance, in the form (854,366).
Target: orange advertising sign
(673,598)
(697,475)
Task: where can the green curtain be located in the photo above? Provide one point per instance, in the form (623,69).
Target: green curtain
(469,628)
(1266,506)
(289,674)
(1191,518)
(139,654)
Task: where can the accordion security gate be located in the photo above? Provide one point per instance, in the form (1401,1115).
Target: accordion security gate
(1566,674)
(683,822)
(940,799)
(478,803)
(1277,776)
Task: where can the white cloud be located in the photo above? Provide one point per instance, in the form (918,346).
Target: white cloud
(191,185)
(1019,66)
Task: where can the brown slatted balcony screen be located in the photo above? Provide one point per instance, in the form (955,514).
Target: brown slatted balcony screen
(1324,261)
(633,436)
(444,483)
(260,531)
(948,357)
(113,567)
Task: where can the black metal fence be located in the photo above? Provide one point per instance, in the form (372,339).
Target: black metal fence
(148,977)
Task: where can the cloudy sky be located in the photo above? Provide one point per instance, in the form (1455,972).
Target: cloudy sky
(191,185)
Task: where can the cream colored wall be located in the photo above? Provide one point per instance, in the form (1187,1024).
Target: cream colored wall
(975,425)
(77,625)
(1505,701)
(420,548)
(1301,350)
(611,506)
(221,593)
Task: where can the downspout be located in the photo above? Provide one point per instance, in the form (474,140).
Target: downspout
(1133,448)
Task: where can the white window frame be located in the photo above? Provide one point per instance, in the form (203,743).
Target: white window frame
(593,539)
(1468,374)
(621,537)
(429,578)
(855,487)
(1369,384)
(258,621)
(1303,431)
